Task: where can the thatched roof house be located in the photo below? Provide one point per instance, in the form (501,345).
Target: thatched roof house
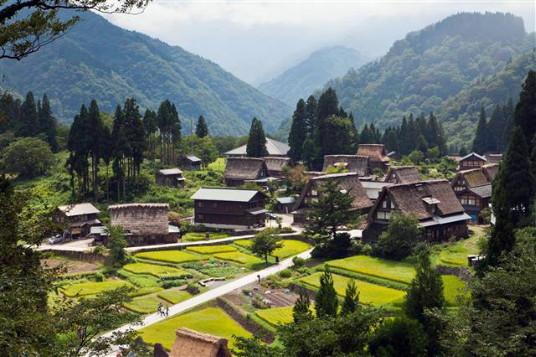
(144,223)
(352,163)
(378,159)
(490,170)
(273,147)
(402,174)
(433,202)
(348,182)
(241,169)
(275,165)
(190,343)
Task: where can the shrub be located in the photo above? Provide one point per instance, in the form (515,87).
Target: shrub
(175,277)
(193,289)
(99,250)
(174,283)
(99,277)
(259,303)
(285,273)
(298,262)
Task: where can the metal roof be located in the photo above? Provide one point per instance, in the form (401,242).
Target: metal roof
(78,209)
(224,194)
(436,220)
(475,154)
(170,171)
(193,158)
(274,148)
(286,200)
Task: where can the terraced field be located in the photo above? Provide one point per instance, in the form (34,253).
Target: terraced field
(170,256)
(92,288)
(152,269)
(376,267)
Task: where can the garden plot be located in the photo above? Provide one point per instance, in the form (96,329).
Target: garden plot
(197,236)
(152,269)
(216,269)
(170,256)
(452,288)
(143,305)
(290,247)
(91,288)
(370,294)
(276,315)
(212,249)
(376,267)
(239,257)
(174,296)
(210,320)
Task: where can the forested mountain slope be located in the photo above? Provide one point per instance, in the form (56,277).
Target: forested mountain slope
(312,73)
(427,67)
(99,60)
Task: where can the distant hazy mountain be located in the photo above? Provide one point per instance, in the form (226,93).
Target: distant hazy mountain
(99,60)
(311,74)
(427,67)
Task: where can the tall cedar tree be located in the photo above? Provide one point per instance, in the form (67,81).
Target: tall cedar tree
(340,133)
(326,301)
(525,112)
(426,294)
(170,131)
(513,192)
(256,146)
(47,124)
(351,299)
(28,121)
(150,123)
(301,312)
(298,131)
(481,143)
(310,114)
(201,128)
(328,105)
(330,210)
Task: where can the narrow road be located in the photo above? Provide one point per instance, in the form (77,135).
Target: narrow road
(211,294)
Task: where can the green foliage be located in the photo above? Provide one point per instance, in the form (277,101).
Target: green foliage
(143,305)
(202,147)
(174,296)
(201,128)
(256,146)
(91,288)
(339,246)
(301,312)
(155,270)
(28,157)
(326,301)
(351,299)
(401,236)
(171,256)
(286,273)
(264,243)
(298,132)
(298,262)
(117,244)
(238,257)
(399,336)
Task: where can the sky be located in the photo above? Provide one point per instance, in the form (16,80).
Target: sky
(257,40)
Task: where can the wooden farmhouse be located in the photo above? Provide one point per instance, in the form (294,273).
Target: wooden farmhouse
(276,164)
(273,147)
(473,189)
(402,174)
(433,202)
(285,204)
(77,219)
(378,159)
(238,170)
(229,208)
(169,177)
(190,163)
(143,223)
(190,343)
(350,163)
(348,182)
(374,188)
(471,161)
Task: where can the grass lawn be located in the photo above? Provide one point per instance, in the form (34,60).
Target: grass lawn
(174,296)
(456,253)
(239,257)
(452,287)
(171,256)
(218,165)
(290,247)
(92,288)
(277,315)
(210,320)
(151,269)
(381,268)
(143,305)
(197,236)
(371,294)
(212,249)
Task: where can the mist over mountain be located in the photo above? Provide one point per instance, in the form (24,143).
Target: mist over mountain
(99,60)
(312,73)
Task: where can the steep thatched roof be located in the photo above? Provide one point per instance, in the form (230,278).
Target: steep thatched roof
(474,177)
(347,181)
(78,209)
(141,218)
(418,197)
(352,163)
(276,164)
(375,152)
(273,147)
(190,343)
(490,170)
(403,174)
(244,168)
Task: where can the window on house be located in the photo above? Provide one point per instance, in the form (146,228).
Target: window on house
(384,204)
(314,193)
(392,205)
(383,215)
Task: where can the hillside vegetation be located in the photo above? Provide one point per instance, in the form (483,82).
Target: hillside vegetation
(97,60)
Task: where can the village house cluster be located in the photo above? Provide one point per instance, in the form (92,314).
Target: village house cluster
(443,208)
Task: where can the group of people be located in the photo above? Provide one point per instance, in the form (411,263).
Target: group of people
(163,310)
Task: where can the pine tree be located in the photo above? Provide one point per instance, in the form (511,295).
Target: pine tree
(328,105)
(310,114)
(351,299)
(525,112)
(150,123)
(47,124)
(481,141)
(28,121)
(170,131)
(256,146)
(366,137)
(404,139)
(338,131)
(301,311)
(422,145)
(201,128)
(390,140)
(326,301)
(298,132)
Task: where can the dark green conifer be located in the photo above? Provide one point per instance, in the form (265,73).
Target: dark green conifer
(301,311)
(351,299)
(481,141)
(525,112)
(256,146)
(201,128)
(298,131)
(326,301)
(47,124)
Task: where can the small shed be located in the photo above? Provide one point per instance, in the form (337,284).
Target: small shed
(169,177)
(285,204)
(190,163)
(190,343)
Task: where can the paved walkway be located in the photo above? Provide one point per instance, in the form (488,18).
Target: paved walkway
(212,294)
